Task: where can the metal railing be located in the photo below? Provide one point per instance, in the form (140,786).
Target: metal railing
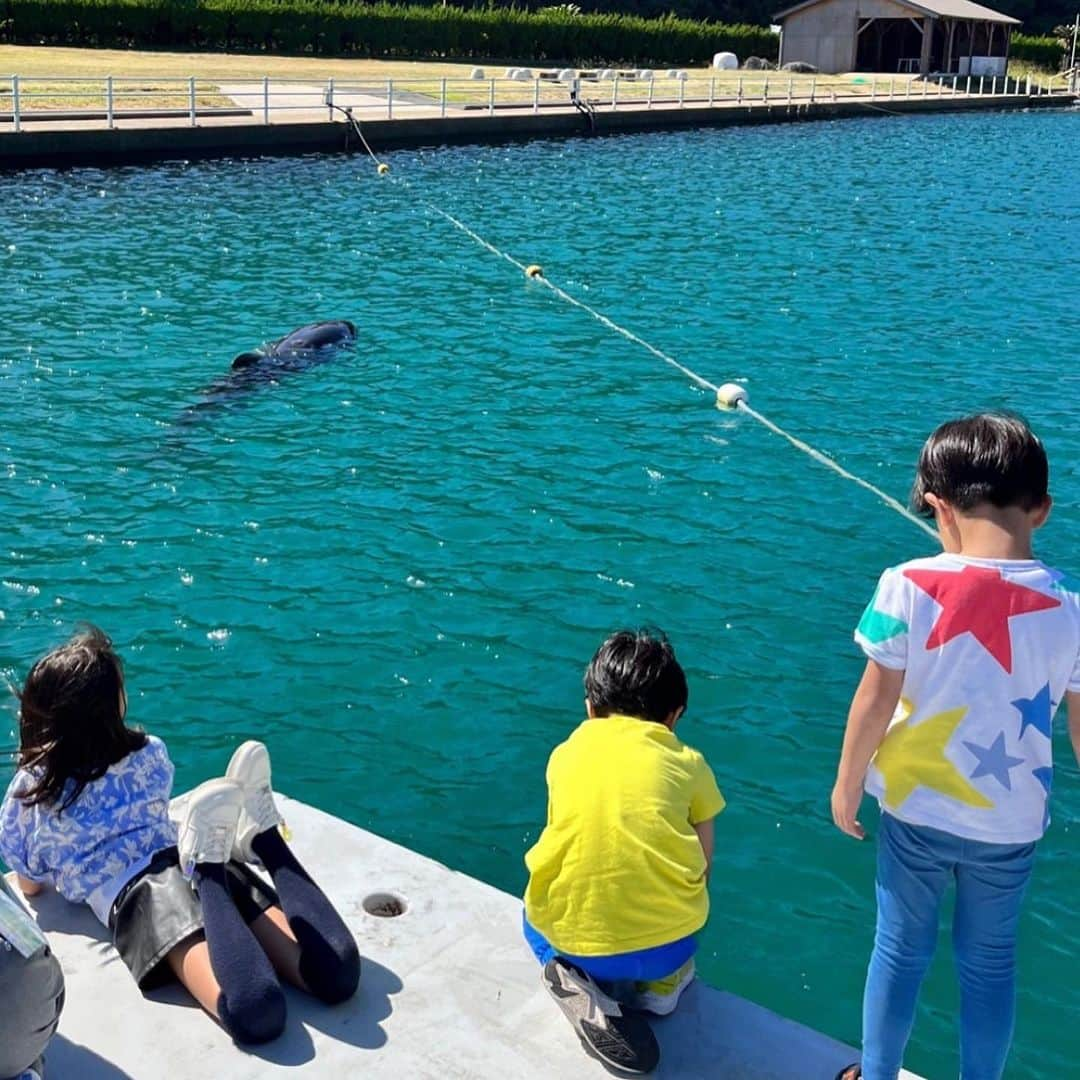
(191,100)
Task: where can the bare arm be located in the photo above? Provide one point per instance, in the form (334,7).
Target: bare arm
(871,710)
(1072,704)
(28,887)
(704,830)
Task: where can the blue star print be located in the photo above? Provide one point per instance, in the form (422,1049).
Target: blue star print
(1036,712)
(994,761)
(1044,775)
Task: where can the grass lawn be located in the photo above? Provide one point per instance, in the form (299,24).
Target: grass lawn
(44,69)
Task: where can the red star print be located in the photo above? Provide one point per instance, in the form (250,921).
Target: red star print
(978,601)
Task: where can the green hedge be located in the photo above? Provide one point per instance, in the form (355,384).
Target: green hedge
(1043,51)
(377,30)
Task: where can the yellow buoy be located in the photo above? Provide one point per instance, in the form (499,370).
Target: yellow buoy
(534,271)
(383,168)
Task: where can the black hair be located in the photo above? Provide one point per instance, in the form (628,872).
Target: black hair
(71,719)
(635,673)
(989,457)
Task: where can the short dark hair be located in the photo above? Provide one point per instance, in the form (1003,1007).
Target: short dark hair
(635,673)
(71,722)
(989,457)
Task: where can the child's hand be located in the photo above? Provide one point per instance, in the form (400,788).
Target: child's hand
(846,800)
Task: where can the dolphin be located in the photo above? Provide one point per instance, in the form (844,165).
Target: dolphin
(299,346)
(297,351)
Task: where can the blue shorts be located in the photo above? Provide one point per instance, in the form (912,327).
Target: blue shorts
(642,965)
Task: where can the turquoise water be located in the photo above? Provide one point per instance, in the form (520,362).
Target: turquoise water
(393,568)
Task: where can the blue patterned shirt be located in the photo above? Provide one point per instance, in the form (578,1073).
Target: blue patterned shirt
(110,832)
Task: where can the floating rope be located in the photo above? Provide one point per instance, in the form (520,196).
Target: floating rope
(730,395)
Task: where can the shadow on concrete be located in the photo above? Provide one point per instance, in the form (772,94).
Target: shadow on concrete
(55,915)
(356,1022)
(64,1058)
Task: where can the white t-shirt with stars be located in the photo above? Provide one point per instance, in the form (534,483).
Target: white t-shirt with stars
(988,648)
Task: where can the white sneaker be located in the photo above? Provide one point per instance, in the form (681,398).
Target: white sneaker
(208,827)
(662,995)
(250,767)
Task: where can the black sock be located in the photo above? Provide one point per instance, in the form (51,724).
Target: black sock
(329,960)
(252,1006)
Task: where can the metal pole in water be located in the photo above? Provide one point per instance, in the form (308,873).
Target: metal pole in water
(491,98)
(682,92)
(15,111)
(330,98)
(266,99)
(649,98)
(765,91)
(191,99)
(615,93)
(712,91)
(109,101)
(740,90)
(536,96)
(967,85)
(813,88)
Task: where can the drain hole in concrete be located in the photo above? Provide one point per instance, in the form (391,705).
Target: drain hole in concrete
(385,905)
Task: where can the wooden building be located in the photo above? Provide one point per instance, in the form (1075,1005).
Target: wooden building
(948,36)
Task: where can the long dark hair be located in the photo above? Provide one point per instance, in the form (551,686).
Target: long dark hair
(71,719)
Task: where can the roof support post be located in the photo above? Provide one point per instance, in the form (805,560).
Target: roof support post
(927,41)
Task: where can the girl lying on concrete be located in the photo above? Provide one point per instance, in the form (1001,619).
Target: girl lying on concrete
(88,813)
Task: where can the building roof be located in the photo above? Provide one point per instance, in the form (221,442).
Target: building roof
(938,9)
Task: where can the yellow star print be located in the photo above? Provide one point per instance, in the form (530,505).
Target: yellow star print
(914,754)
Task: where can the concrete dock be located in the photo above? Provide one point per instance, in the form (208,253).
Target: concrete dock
(448,989)
(299,126)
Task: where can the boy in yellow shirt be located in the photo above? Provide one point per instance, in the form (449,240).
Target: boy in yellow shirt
(617,881)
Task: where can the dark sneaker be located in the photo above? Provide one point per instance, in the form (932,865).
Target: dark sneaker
(624,1042)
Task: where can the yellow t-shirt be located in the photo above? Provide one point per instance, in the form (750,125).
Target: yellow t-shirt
(619,866)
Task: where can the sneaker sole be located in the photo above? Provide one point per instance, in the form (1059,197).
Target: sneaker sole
(633,1031)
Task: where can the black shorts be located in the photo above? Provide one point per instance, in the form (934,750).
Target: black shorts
(158,910)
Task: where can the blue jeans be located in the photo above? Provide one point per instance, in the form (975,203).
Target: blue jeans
(915,864)
(642,965)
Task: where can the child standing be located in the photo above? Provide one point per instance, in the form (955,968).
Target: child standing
(618,879)
(88,813)
(969,654)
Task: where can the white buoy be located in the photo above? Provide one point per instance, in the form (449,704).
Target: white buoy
(477,73)
(730,394)
(725,61)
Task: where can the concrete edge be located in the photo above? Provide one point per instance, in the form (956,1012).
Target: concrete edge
(70,146)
